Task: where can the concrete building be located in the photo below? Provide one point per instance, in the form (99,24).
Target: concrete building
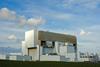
(49,46)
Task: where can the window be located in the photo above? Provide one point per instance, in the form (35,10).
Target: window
(50,44)
(43,43)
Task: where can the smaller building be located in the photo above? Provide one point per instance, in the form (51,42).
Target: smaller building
(20,58)
(89,57)
(3,57)
(16,57)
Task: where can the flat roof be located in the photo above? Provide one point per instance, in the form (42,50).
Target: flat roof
(51,36)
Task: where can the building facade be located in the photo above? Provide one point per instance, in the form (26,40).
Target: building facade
(49,46)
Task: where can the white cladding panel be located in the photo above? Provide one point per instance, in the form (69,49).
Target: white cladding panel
(12,57)
(24,48)
(63,50)
(66,49)
(31,38)
(20,58)
(71,56)
(33,53)
(2,56)
(49,58)
(57,47)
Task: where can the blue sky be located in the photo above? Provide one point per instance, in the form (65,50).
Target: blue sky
(76,17)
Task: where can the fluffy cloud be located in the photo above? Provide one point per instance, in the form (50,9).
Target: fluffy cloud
(83,33)
(9,15)
(12,37)
(6,14)
(35,21)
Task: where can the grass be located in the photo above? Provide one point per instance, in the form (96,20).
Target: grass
(7,63)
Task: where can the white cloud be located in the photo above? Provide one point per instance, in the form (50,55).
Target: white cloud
(12,37)
(89,4)
(9,15)
(35,21)
(3,37)
(62,16)
(83,33)
(6,14)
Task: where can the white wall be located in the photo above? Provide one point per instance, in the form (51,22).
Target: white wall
(31,38)
(20,58)
(38,52)
(57,47)
(63,50)
(68,51)
(3,57)
(49,58)
(53,58)
(12,57)
(35,53)
(24,48)
(71,56)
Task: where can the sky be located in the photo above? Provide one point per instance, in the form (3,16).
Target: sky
(76,17)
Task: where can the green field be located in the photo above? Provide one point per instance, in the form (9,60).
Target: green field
(6,63)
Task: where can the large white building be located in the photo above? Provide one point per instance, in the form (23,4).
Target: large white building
(49,46)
